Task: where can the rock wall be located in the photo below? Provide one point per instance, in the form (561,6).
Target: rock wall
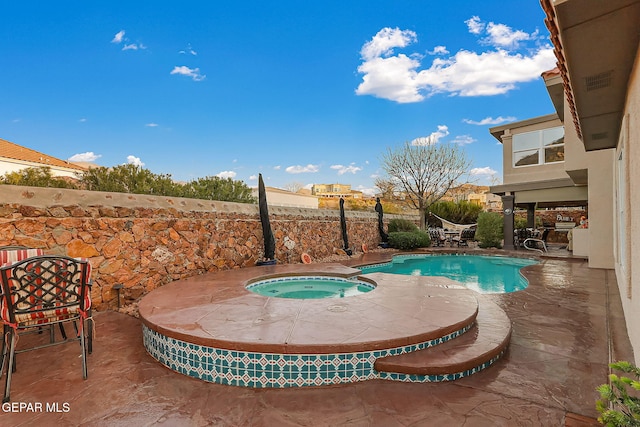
(143,242)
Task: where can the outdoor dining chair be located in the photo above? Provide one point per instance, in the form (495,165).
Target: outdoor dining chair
(14,253)
(43,291)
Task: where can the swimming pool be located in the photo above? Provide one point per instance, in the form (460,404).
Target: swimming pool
(310,287)
(484,274)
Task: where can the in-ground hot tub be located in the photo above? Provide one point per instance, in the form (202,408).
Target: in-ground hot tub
(311,287)
(212,328)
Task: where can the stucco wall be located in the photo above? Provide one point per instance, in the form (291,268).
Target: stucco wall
(629,278)
(601,208)
(11,165)
(144,242)
(514,175)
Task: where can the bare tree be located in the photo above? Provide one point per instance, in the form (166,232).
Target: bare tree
(386,187)
(424,171)
(294,187)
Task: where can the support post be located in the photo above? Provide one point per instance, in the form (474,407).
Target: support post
(531,215)
(508,203)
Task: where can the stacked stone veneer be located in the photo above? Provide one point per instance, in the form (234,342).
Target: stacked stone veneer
(143,242)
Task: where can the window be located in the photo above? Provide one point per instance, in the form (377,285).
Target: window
(538,147)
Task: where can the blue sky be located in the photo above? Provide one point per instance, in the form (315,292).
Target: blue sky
(300,91)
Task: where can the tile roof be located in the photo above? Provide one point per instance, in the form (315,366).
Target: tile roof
(13,151)
(561,64)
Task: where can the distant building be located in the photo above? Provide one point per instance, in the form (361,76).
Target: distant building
(476,194)
(462,192)
(335,191)
(488,201)
(14,158)
(278,197)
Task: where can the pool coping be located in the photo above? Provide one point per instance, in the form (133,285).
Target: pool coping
(186,309)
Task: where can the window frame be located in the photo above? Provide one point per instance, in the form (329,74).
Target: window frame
(540,148)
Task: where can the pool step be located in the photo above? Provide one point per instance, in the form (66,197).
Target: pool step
(477,348)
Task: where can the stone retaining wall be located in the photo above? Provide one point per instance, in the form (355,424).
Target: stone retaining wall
(143,242)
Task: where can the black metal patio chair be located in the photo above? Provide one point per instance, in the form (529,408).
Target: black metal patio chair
(43,291)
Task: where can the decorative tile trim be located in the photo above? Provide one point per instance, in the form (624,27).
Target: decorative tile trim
(330,286)
(410,378)
(262,370)
(284,279)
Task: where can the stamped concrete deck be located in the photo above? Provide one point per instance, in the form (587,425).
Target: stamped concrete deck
(215,310)
(567,326)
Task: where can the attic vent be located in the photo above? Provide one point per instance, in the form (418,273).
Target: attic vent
(598,81)
(598,136)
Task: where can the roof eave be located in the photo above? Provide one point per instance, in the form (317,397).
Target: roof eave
(596,43)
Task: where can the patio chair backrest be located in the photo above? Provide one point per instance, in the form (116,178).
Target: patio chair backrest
(45,289)
(11,254)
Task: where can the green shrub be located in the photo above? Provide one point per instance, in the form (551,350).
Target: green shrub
(617,407)
(462,212)
(519,222)
(406,240)
(490,232)
(399,224)
(35,177)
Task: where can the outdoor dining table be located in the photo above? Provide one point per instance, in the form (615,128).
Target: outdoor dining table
(450,234)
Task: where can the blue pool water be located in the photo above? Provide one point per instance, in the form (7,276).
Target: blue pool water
(485,274)
(303,287)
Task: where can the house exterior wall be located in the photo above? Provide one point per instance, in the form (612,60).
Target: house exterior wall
(292,200)
(627,232)
(597,168)
(516,175)
(12,165)
(601,208)
(575,155)
(277,197)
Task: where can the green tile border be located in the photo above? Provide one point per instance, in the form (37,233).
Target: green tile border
(270,370)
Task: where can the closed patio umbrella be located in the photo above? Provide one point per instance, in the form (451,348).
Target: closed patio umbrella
(384,237)
(269,240)
(343,226)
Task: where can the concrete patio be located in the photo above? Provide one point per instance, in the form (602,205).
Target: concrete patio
(567,327)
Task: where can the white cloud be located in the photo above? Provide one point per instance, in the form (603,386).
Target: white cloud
(194,73)
(475,25)
(486,171)
(151,125)
(133,160)
(133,46)
(189,50)
(382,44)
(464,140)
(302,169)
(226,174)
(503,36)
(368,191)
(490,120)
(82,120)
(433,138)
(89,156)
(277,168)
(439,50)
(352,168)
(118,37)
(399,77)
(253,178)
